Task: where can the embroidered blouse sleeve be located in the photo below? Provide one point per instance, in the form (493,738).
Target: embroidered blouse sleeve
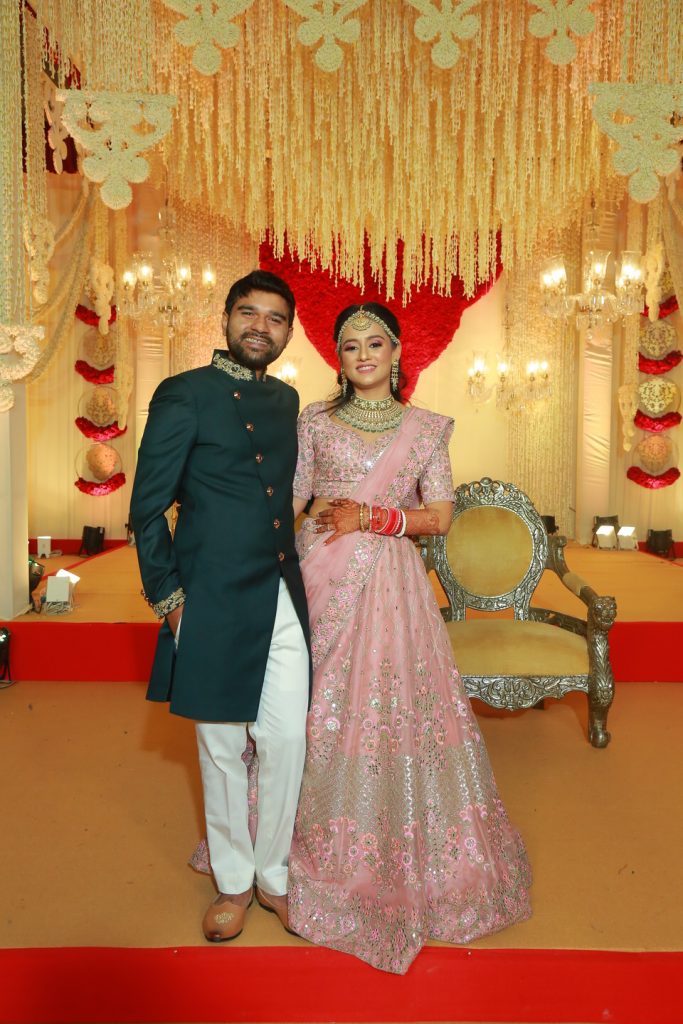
(436,482)
(305,466)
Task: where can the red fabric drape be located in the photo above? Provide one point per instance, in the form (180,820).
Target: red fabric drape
(657,366)
(96,433)
(90,317)
(653,483)
(428,321)
(657,424)
(92,375)
(98,490)
(668,306)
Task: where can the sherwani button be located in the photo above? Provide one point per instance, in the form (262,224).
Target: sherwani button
(258,457)
(269,491)
(281,556)
(249,426)
(236,394)
(276,524)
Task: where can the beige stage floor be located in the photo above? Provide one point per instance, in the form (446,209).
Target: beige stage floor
(101,807)
(647,589)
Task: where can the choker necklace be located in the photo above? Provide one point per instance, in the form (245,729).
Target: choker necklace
(372,417)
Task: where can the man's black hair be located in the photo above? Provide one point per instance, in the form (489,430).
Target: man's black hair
(262,281)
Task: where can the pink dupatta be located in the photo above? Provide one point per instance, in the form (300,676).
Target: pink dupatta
(335,574)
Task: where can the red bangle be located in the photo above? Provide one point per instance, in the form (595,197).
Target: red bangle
(393,523)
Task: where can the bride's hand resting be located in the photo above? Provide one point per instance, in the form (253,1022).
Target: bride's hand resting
(343,516)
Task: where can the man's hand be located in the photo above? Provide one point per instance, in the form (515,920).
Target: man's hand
(173,619)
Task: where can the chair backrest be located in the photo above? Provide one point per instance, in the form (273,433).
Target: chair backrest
(495,551)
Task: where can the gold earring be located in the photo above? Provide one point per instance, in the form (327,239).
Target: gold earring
(343,381)
(394,376)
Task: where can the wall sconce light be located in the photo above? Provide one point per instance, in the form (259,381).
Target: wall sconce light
(287,373)
(477,386)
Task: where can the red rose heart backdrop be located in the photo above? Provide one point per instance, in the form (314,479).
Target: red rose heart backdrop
(428,321)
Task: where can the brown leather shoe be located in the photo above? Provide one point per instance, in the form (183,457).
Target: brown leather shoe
(275,905)
(224,920)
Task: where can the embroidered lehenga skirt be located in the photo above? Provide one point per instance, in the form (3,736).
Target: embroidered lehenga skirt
(401,835)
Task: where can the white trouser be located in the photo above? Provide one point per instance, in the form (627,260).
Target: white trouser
(280,736)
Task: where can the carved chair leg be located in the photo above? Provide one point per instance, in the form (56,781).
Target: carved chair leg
(597,723)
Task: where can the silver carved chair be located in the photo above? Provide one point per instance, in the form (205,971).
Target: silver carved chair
(492,559)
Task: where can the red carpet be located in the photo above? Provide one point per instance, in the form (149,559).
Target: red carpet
(283,984)
(641,652)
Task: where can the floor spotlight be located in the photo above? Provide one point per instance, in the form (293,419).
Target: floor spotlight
(626,538)
(599,521)
(606,537)
(59,595)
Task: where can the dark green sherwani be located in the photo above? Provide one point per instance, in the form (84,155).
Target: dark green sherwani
(223,444)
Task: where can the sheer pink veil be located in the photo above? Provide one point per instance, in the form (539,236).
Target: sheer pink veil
(334,574)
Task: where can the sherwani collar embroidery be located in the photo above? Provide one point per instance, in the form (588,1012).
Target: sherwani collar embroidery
(233,369)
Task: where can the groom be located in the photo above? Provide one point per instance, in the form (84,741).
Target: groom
(233,651)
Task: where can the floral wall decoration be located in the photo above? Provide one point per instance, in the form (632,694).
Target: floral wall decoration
(57,132)
(328,23)
(647,140)
(655,456)
(99,470)
(557,18)
(447,24)
(98,351)
(98,420)
(19,353)
(115,129)
(100,287)
(39,240)
(658,348)
(207,28)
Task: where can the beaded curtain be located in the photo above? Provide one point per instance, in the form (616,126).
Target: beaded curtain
(367,135)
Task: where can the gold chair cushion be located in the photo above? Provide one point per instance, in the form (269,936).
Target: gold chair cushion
(504,647)
(489,550)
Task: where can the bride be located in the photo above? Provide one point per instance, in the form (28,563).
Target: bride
(400,835)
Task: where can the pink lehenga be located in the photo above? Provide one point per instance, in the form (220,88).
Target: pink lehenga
(400,835)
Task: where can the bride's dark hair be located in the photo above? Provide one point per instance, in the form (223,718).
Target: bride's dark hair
(340,397)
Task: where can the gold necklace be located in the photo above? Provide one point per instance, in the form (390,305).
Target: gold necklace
(374,417)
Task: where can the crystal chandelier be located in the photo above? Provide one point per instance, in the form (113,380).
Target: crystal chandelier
(164,291)
(594,306)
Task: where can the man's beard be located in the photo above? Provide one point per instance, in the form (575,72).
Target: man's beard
(253,360)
